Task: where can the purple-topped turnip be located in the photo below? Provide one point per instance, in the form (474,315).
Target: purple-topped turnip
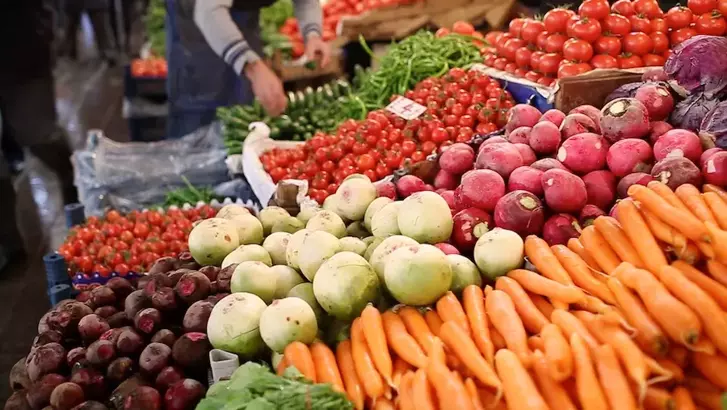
(520,212)
(624,118)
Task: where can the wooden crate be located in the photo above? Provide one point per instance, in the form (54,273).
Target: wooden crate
(291,71)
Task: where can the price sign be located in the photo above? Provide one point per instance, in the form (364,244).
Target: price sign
(406,108)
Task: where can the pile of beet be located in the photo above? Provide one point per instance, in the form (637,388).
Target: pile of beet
(125,345)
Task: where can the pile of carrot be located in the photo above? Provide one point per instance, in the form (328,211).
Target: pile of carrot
(632,315)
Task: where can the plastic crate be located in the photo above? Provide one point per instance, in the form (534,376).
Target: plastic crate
(154,88)
(147,129)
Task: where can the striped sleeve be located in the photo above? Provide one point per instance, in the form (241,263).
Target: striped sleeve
(310,17)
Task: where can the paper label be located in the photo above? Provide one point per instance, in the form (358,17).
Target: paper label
(406,108)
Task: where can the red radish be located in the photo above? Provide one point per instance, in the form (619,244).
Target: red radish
(591,112)
(409,184)
(583,153)
(657,99)
(564,192)
(469,225)
(480,188)
(654,74)
(559,228)
(554,116)
(715,169)
(429,187)
(576,124)
(613,212)
(519,135)
(183,395)
(521,115)
(526,179)
(448,249)
(457,159)
(678,141)
(658,128)
(492,140)
(521,212)
(386,189)
(448,196)
(637,178)
(675,170)
(544,138)
(588,214)
(707,155)
(601,188)
(545,164)
(445,180)
(629,156)
(501,158)
(526,153)
(624,118)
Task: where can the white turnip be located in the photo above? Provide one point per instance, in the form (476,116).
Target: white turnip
(256,278)
(526,179)
(432,280)
(521,212)
(498,252)
(330,222)
(373,208)
(425,217)
(286,321)
(637,178)
(355,195)
(457,158)
(678,141)
(464,273)
(628,156)
(624,118)
(544,138)
(501,158)
(657,99)
(385,221)
(574,124)
(601,188)
(382,251)
(715,169)
(564,192)
(553,116)
(559,228)
(583,153)
(345,284)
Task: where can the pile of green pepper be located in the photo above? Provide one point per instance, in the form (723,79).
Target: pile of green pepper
(154,21)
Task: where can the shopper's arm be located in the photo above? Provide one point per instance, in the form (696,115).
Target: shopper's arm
(310,17)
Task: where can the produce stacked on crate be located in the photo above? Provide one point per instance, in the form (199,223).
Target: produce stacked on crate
(152,67)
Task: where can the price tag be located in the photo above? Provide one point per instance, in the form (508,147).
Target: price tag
(406,108)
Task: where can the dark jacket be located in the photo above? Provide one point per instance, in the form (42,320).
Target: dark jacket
(26,34)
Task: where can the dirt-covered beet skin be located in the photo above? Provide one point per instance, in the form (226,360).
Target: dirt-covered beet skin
(600,188)
(17,401)
(164,299)
(154,358)
(91,405)
(210,271)
(164,265)
(193,286)
(91,381)
(135,302)
(19,376)
(49,336)
(143,398)
(196,317)
(191,350)
(118,319)
(100,353)
(164,336)
(183,395)
(186,261)
(624,118)
(521,212)
(129,343)
(49,358)
(148,320)
(676,170)
(168,376)
(479,188)
(65,318)
(91,327)
(38,395)
(639,178)
(121,287)
(119,370)
(469,225)
(66,396)
(106,311)
(559,228)
(224,277)
(102,296)
(76,355)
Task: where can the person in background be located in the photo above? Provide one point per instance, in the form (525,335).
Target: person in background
(127,16)
(214,54)
(98,14)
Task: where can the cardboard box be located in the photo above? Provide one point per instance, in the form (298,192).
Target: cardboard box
(297,70)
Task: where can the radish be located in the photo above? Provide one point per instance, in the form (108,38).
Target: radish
(613,212)
(559,228)
(601,188)
(564,192)
(548,163)
(591,112)
(715,169)
(658,128)
(583,153)
(554,116)
(521,212)
(526,153)
(544,138)
(628,156)
(447,248)
(588,214)
(654,74)
(639,178)
(386,189)
(519,135)
(469,225)
(492,140)
(521,115)
(457,159)
(445,180)
(576,124)
(480,188)
(501,158)
(624,118)
(675,170)
(680,141)
(707,155)
(526,179)
(409,184)
(657,99)
(448,196)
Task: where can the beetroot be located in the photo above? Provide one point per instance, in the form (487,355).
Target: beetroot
(148,320)
(715,169)
(129,343)
(91,381)
(92,326)
(90,405)
(84,296)
(191,350)
(639,178)
(545,164)
(628,156)
(658,128)
(544,138)
(38,396)
(49,336)
(526,179)
(112,335)
(120,286)
(448,197)
(65,318)
(445,180)
(564,192)
(457,158)
(19,376)
(588,214)
(150,283)
(583,153)
(17,401)
(707,154)
(101,353)
(66,396)
(154,358)
(118,396)
(45,359)
(521,115)
(601,188)
(447,248)
(224,277)
(521,212)
(143,398)
(105,311)
(135,302)
(501,158)
(184,395)
(167,377)
(591,112)
(163,265)
(167,337)
(675,170)
(210,271)
(559,228)
(574,124)
(678,141)
(480,188)
(102,296)
(553,116)
(526,153)
(164,299)
(409,184)
(657,99)
(469,225)
(118,319)
(120,370)
(196,317)
(193,286)
(186,261)
(519,135)
(624,118)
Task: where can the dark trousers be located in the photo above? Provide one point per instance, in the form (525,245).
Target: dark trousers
(127,17)
(100,21)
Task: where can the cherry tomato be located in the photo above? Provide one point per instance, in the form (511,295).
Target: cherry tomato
(712,24)
(623,7)
(113,216)
(629,61)
(122,269)
(608,45)
(585,28)
(500,63)
(365,161)
(418,156)
(516,26)
(604,61)
(660,41)
(554,43)
(510,68)
(408,147)
(678,17)
(653,60)
(640,24)
(531,29)
(638,44)
(700,7)
(556,19)
(102,270)
(616,25)
(577,50)
(492,36)
(549,63)
(681,35)
(443,31)
(595,9)
(546,81)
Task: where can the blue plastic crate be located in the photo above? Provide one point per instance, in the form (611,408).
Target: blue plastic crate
(154,88)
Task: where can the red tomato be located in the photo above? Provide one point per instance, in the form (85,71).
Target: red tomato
(722,7)
(492,36)
(418,156)
(546,81)
(122,269)
(629,61)
(572,69)
(577,50)
(535,59)
(648,8)
(549,63)
(595,9)
(443,31)
(604,61)
(515,26)
(700,7)
(678,17)
(608,45)
(500,63)
(638,44)
(556,19)
(522,57)
(683,34)
(532,76)
(623,7)
(659,24)
(660,41)
(510,68)
(640,24)
(712,24)
(102,271)
(463,27)
(616,25)
(585,28)
(531,29)
(113,216)
(511,47)
(542,40)
(554,43)
(653,60)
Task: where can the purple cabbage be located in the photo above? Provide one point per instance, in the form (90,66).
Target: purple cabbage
(688,114)
(713,130)
(625,91)
(698,64)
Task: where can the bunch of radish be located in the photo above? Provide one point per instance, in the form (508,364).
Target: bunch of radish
(627,34)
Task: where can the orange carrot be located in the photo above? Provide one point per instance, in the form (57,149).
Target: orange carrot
(718,207)
(438,353)
(298,355)
(690,254)
(326,367)
(679,355)
(692,198)
(449,308)
(474,395)
(638,233)
(588,388)
(450,391)
(717,291)
(613,380)
(282,365)
(406,398)
(354,389)
(577,247)
(683,399)
(713,318)
(454,337)
(532,318)
(662,231)
(400,368)
(400,341)
(371,380)
(376,341)
(667,194)
(519,388)
(557,351)
(541,285)
(543,305)
(417,326)
(540,255)
(535,342)
(658,399)
(503,316)
(616,237)
(684,221)
(668,366)
(647,329)
(497,340)
(717,190)
(696,382)
(599,249)
(718,271)
(490,401)
(474,307)
(570,325)
(382,403)
(712,367)
(422,392)
(719,238)
(553,392)
(707,400)
(433,321)
(581,273)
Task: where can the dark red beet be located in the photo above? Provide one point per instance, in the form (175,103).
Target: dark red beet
(631,179)
(17,401)
(164,336)
(559,228)
(184,395)
(211,272)
(112,335)
(151,283)
(129,343)
(148,320)
(121,287)
(19,376)
(588,214)
(118,396)
(106,311)
(65,318)
(100,353)
(90,405)
(224,278)
(164,299)
(193,286)
(118,319)
(91,381)
(163,265)
(186,261)
(45,359)
(521,212)
(102,296)
(50,336)
(168,376)
(175,275)
(191,350)
(38,395)
(76,355)
(66,396)
(469,225)
(196,317)
(120,370)
(83,296)
(143,398)
(135,302)
(92,326)
(154,358)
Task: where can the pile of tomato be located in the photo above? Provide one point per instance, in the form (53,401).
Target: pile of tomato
(458,105)
(128,243)
(149,67)
(627,34)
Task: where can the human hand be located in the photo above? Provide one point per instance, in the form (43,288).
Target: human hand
(317,50)
(267,87)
